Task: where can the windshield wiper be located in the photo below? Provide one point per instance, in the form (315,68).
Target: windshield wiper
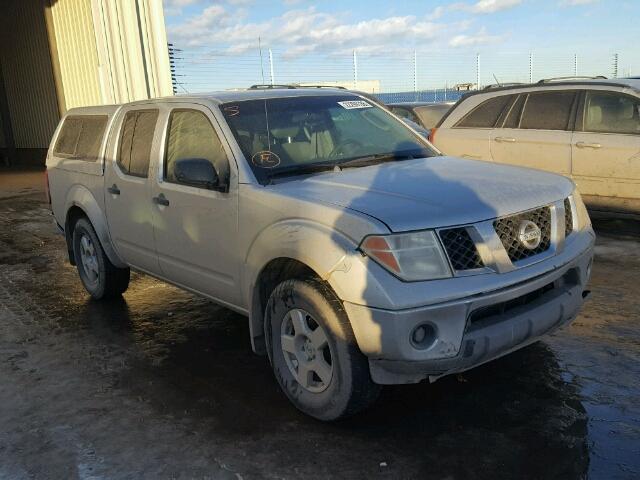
(300,169)
(373,159)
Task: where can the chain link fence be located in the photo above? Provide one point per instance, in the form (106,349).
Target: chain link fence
(400,75)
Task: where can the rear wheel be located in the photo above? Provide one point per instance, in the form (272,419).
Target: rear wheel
(99,276)
(313,351)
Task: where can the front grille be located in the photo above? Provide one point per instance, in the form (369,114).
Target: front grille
(508,229)
(461,249)
(568,217)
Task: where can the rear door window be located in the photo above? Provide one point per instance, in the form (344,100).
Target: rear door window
(548,110)
(135,142)
(608,112)
(81,137)
(486,114)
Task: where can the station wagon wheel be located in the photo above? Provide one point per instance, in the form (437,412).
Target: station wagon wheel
(306,350)
(313,351)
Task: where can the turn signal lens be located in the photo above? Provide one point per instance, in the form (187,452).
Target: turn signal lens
(581,211)
(410,256)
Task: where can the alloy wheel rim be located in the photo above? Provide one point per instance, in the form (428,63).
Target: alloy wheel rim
(306,350)
(89,259)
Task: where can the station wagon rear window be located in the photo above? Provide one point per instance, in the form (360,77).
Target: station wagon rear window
(81,137)
(486,114)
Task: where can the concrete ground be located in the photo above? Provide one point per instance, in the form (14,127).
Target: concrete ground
(162,384)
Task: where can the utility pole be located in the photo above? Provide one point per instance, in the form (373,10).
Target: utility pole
(477,71)
(273,80)
(415,75)
(615,65)
(172,66)
(530,67)
(575,64)
(261,62)
(355,70)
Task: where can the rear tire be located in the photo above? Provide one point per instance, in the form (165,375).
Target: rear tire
(99,276)
(313,351)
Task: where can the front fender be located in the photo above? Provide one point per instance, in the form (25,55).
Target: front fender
(330,254)
(81,197)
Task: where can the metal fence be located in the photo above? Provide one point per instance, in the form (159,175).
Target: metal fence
(393,75)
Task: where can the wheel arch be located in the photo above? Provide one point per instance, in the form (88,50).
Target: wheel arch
(81,203)
(272,274)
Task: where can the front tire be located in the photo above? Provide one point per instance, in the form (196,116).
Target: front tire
(313,351)
(99,276)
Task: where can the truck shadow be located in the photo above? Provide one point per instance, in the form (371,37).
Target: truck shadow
(500,419)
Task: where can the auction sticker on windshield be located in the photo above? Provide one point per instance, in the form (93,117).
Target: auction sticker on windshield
(351,104)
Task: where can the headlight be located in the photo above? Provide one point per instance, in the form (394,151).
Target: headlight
(581,211)
(410,256)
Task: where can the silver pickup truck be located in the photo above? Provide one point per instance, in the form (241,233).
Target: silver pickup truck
(359,253)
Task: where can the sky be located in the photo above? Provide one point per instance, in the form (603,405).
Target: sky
(226,43)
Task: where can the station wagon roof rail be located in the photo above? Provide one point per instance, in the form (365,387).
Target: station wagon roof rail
(572,77)
(499,85)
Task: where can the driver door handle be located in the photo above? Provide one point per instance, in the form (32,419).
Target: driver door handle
(588,145)
(113,190)
(161,200)
(505,139)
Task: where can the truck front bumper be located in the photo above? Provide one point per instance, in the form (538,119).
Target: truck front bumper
(461,334)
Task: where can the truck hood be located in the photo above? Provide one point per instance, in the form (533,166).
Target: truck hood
(431,192)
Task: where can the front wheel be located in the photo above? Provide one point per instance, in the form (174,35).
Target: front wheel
(100,277)
(313,351)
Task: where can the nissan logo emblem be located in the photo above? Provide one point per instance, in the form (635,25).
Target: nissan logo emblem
(529,234)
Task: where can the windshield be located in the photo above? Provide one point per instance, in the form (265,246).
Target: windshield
(302,134)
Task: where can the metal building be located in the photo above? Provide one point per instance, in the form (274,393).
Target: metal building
(60,54)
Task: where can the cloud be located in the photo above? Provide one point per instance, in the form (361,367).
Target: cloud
(301,31)
(480,38)
(437,12)
(486,6)
(173,8)
(575,3)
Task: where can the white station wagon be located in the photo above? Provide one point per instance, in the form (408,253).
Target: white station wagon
(360,255)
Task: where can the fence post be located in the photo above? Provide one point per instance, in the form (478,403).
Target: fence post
(355,70)
(478,71)
(615,65)
(575,64)
(530,67)
(415,76)
(273,80)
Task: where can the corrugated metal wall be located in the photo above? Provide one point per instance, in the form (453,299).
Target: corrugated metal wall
(132,49)
(77,55)
(28,74)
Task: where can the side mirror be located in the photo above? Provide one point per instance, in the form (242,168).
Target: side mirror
(197,172)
